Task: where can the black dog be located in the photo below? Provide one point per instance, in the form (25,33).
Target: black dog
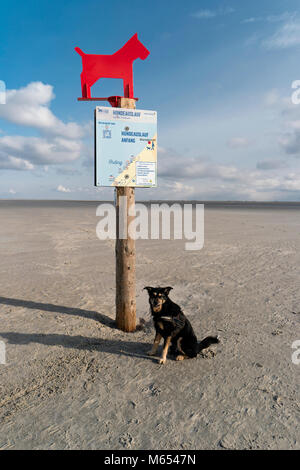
(172,325)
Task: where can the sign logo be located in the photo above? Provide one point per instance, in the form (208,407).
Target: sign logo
(150,145)
(106,134)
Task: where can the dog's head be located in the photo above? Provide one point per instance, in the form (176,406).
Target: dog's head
(157,297)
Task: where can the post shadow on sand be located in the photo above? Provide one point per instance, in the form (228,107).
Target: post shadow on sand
(59,309)
(125,348)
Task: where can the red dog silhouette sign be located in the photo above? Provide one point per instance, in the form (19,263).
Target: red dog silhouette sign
(117,65)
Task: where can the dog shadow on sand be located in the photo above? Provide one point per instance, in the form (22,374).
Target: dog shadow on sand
(118,347)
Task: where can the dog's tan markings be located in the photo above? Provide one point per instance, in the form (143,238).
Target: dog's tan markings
(160,301)
(157,339)
(165,350)
(180,358)
(160,324)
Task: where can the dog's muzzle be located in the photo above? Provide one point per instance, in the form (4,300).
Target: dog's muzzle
(156,305)
(157,308)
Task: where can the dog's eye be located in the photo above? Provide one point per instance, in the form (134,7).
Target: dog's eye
(159,295)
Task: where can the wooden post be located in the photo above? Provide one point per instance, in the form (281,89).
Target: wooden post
(125,253)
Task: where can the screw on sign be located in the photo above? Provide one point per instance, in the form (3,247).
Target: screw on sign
(118,65)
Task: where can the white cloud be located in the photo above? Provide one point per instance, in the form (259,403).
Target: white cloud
(7,162)
(29,106)
(58,142)
(290,143)
(204,14)
(238,142)
(286,16)
(62,189)
(271,164)
(289,136)
(177,167)
(2,92)
(287,115)
(40,150)
(203,179)
(271,97)
(208,14)
(287,35)
(252,19)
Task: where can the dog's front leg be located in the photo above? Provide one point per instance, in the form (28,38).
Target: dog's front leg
(165,350)
(155,345)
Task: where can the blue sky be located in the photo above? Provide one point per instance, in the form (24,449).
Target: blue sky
(219,74)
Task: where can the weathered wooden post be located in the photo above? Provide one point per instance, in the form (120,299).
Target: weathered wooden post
(142,168)
(125,252)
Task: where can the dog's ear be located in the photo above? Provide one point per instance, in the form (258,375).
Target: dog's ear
(149,289)
(167,290)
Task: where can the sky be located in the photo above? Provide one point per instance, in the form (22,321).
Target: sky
(219,75)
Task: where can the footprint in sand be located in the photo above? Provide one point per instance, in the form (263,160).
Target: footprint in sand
(126,440)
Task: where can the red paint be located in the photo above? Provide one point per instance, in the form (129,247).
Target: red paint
(117,65)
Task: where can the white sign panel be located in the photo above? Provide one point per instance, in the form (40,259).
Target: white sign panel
(125,147)
(145,173)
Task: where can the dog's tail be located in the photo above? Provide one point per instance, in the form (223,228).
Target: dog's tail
(206,342)
(79,51)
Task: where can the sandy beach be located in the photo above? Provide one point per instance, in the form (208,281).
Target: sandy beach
(73,381)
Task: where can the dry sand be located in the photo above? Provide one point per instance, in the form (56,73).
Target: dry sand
(72,381)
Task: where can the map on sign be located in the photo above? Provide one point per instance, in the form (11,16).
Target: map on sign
(125,147)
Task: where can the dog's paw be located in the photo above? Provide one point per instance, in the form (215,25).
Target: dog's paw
(162,361)
(180,358)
